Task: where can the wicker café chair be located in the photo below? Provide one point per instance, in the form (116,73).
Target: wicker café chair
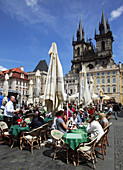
(59,143)
(107,128)
(31,137)
(88,151)
(101,145)
(5,136)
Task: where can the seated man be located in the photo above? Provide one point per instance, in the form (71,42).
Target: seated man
(37,121)
(17,117)
(74,119)
(80,117)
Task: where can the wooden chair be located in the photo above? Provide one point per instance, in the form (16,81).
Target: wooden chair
(43,129)
(49,128)
(88,151)
(108,116)
(59,143)
(5,136)
(30,138)
(101,144)
(107,128)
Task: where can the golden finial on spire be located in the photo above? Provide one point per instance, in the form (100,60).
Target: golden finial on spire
(102,5)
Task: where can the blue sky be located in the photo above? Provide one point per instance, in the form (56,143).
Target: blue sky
(28,28)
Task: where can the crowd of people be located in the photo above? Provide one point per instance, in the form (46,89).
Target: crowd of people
(64,120)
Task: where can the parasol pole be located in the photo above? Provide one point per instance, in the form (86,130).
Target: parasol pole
(67,101)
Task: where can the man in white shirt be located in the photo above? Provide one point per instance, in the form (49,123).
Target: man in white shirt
(9,111)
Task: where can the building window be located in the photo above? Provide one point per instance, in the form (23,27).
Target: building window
(114,89)
(114,79)
(71,91)
(103,73)
(103,81)
(98,80)
(87,74)
(17,82)
(108,80)
(108,89)
(113,72)
(78,51)
(98,74)
(88,81)
(92,74)
(103,45)
(22,76)
(108,73)
(103,88)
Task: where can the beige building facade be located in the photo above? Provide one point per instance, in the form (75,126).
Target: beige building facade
(43,69)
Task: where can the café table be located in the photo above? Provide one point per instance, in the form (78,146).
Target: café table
(82,127)
(16,131)
(1,117)
(75,138)
(47,120)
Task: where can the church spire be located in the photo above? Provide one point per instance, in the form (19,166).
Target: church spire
(103,25)
(95,31)
(83,33)
(80,30)
(73,38)
(108,25)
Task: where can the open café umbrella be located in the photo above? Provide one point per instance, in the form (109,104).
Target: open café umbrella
(54,89)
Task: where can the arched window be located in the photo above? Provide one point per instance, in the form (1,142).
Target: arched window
(114,89)
(78,51)
(103,45)
(108,89)
(90,66)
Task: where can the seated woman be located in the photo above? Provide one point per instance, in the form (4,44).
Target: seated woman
(94,128)
(37,121)
(60,124)
(103,121)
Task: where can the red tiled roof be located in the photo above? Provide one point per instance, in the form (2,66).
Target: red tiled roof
(16,73)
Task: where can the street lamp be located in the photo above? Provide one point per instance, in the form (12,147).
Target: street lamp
(100,94)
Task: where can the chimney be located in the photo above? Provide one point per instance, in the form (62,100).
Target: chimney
(22,68)
(120,65)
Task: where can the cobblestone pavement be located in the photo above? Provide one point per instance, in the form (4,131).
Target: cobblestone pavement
(118,143)
(42,159)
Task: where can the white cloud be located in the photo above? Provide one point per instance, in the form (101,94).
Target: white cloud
(28,11)
(31,3)
(116,13)
(2,68)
